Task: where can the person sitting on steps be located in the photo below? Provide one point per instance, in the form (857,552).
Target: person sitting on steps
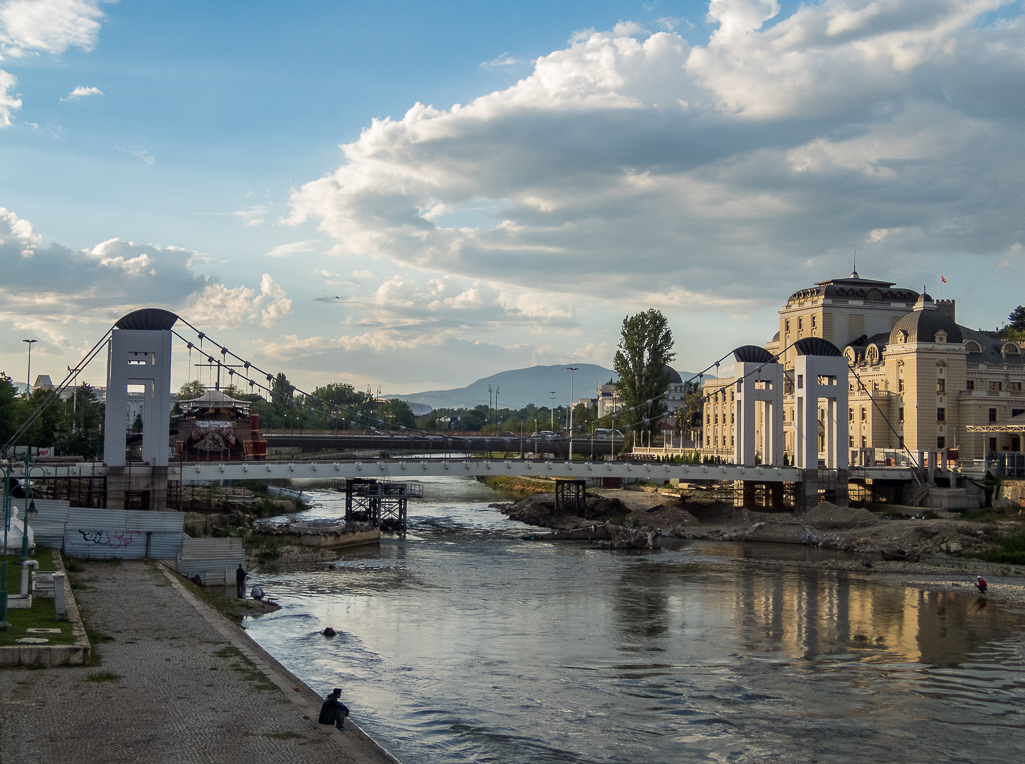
(334,711)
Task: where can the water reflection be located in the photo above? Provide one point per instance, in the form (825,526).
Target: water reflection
(464,643)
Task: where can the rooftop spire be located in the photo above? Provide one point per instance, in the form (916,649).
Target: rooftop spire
(854,273)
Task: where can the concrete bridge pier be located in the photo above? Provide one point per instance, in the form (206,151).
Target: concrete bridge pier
(773,493)
(151,483)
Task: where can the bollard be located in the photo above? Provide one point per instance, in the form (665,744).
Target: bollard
(26,577)
(60,604)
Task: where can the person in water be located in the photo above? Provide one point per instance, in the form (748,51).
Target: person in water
(334,711)
(981,585)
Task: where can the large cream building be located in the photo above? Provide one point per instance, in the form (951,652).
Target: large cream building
(917,379)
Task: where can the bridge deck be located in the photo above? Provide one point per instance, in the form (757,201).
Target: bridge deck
(412,468)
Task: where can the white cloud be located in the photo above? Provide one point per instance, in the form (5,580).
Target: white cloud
(629,157)
(504,60)
(82,92)
(42,26)
(17,232)
(8,103)
(284,250)
(142,154)
(48,26)
(273,303)
(228,308)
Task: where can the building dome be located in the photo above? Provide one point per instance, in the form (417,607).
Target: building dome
(147,319)
(753,354)
(673,375)
(926,324)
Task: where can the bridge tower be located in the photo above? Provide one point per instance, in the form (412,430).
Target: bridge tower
(820,374)
(139,354)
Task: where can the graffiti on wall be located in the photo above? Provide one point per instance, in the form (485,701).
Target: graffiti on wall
(113,539)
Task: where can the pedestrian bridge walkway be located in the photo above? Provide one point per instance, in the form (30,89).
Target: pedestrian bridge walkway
(410,469)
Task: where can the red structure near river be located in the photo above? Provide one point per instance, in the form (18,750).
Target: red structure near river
(216,427)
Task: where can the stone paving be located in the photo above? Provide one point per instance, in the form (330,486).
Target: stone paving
(176,683)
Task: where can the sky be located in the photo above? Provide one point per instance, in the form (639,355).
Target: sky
(407,196)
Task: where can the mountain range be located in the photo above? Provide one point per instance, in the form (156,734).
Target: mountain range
(520,387)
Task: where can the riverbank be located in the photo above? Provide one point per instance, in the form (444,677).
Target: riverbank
(171,680)
(924,552)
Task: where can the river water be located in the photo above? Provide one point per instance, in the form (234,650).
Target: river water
(464,643)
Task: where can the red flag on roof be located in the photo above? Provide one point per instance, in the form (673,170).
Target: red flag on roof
(943,280)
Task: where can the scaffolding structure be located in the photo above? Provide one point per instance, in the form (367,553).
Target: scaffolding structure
(382,504)
(570,496)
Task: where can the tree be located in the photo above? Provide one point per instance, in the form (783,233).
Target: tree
(1017,318)
(8,408)
(281,391)
(191,390)
(82,435)
(646,348)
(396,413)
(688,416)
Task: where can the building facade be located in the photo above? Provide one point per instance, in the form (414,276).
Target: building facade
(916,378)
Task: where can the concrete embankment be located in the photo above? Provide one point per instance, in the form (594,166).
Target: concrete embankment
(176,682)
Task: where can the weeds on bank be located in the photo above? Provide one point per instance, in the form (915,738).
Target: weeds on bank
(1010,549)
(226,606)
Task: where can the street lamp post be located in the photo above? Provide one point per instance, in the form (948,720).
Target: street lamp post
(3,566)
(28,374)
(571,370)
(551,397)
(30,511)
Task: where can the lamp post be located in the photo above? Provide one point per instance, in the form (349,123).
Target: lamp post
(4,625)
(551,397)
(28,374)
(30,511)
(571,370)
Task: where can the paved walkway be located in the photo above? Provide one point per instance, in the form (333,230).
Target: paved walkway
(183,685)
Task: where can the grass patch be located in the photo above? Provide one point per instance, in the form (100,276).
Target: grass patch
(1010,549)
(226,606)
(40,616)
(103,676)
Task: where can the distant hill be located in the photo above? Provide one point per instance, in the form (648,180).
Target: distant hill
(519,387)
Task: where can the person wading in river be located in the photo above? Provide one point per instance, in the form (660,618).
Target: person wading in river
(334,711)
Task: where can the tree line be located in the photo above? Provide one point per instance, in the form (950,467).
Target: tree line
(72,426)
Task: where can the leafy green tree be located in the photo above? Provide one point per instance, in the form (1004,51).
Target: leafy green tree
(688,416)
(281,393)
(191,390)
(82,434)
(396,413)
(8,409)
(645,349)
(1017,318)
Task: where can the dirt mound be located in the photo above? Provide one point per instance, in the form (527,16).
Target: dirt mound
(721,513)
(829,516)
(662,516)
(540,510)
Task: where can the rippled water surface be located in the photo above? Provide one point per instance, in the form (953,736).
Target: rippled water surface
(463,643)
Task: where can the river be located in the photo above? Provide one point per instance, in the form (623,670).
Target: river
(463,643)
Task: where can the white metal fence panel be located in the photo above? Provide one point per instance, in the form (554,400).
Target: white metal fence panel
(49,523)
(213,560)
(212,549)
(128,534)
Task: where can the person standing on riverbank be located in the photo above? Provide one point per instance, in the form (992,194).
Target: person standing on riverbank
(240,582)
(334,711)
